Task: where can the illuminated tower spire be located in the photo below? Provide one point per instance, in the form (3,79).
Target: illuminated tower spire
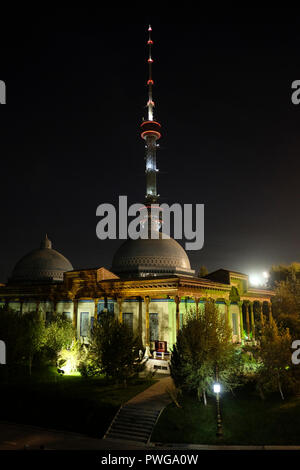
(150,103)
(150,133)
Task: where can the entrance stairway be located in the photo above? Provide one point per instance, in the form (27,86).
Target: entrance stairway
(133,423)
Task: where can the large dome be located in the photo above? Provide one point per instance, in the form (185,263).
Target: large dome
(151,257)
(43,264)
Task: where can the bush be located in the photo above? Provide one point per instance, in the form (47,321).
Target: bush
(113,350)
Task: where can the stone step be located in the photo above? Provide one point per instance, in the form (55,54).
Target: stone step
(138,409)
(135,419)
(138,417)
(126,437)
(126,430)
(138,412)
(134,424)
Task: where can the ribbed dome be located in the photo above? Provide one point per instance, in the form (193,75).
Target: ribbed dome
(43,264)
(146,257)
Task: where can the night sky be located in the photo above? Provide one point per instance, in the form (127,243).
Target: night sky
(70,140)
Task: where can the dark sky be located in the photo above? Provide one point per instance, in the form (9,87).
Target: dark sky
(70,139)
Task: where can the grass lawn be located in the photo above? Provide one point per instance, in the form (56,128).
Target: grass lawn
(246,419)
(69,403)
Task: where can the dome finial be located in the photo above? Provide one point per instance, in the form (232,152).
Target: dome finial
(46,243)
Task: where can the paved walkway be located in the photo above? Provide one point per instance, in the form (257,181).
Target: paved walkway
(154,397)
(136,419)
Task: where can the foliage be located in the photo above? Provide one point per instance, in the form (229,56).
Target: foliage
(275,371)
(59,334)
(203,271)
(10,329)
(283,272)
(286,303)
(28,338)
(204,352)
(174,394)
(32,336)
(69,358)
(114,349)
(22,334)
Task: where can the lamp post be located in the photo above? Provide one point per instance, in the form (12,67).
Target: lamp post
(217,389)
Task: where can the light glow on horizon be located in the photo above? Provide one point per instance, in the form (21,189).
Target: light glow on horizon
(259,279)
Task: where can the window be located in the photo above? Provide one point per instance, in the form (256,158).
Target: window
(153,323)
(110,306)
(235,327)
(128,320)
(84,323)
(68,315)
(48,317)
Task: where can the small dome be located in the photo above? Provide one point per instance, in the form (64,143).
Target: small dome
(43,264)
(151,257)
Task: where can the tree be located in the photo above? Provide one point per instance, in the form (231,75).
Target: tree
(204,347)
(32,336)
(203,271)
(10,333)
(286,302)
(114,349)
(275,371)
(22,334)
(59,334)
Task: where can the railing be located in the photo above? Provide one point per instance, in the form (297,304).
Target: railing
(161,355)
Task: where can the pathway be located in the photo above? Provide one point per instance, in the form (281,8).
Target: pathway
(136,419)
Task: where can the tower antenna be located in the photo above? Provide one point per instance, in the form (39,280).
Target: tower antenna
(150,82)
(150,132)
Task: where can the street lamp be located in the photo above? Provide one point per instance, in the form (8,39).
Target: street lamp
(217,389)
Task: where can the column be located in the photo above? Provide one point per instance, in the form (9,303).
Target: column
(246,303)
(177,301)
(241,320)
(147,331)
(262,318)
(270,312)
(196,299)
(75,313)
(120,300)
(252,320)
(95,310)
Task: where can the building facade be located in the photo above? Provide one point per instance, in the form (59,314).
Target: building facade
(155,307)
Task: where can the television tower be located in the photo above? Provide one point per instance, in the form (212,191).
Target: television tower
(150,132)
